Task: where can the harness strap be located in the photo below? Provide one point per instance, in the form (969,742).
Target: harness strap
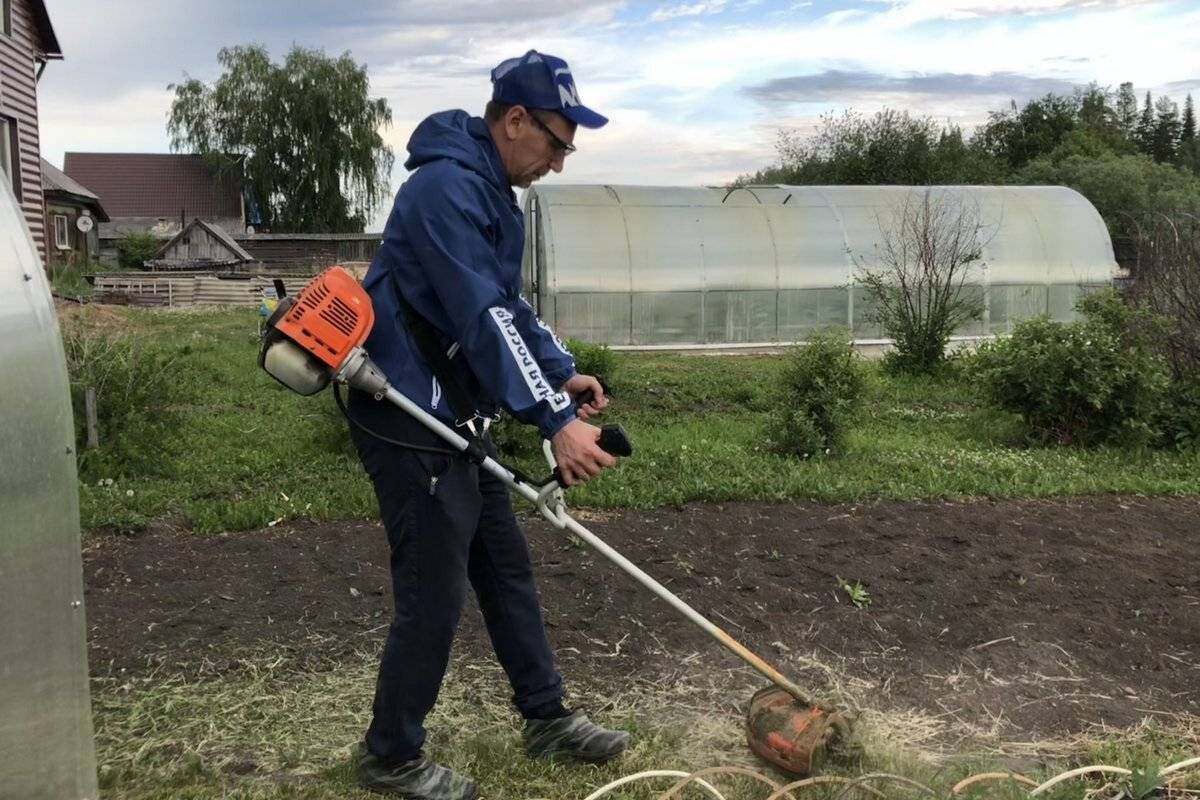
(429,342)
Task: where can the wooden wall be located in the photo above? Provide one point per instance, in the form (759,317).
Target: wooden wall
(197,245)
(78,241)
(279,251)
(18,100)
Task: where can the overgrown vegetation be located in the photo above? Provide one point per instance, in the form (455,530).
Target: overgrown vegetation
(819,396)
(134,386)
(1094,381)
(134,249)
(923,284)
(1128,164)
(243,451)
(67,280)
(1125,373)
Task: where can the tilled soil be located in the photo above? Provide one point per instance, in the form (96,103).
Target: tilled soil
(1042,617)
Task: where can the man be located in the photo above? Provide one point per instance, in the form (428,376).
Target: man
(446,291)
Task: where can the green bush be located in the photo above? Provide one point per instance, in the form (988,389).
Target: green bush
(594,359)
(1094,381)
(1179,426)
(135,390)
(819,394)
(136,248)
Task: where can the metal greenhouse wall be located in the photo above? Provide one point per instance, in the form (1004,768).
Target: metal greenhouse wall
(634,266)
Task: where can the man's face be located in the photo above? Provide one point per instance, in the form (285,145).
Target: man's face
(537,144)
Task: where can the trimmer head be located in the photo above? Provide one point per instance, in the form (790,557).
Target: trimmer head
(792,736)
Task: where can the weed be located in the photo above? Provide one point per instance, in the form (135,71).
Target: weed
(857,593)
(1144,784)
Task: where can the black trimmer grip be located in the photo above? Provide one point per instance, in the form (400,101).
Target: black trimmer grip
(615,441)
(589,395)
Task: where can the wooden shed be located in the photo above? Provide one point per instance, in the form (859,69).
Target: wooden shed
(200,245)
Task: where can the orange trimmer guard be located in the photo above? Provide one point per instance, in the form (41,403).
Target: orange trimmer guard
(791,736)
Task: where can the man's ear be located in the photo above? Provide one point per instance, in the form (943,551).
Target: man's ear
(514,120)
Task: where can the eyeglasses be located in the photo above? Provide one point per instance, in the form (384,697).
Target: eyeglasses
(562,148)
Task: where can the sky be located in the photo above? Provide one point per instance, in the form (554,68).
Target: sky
(696,91)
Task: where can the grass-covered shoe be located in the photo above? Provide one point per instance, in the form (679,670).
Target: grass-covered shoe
(419,779)
(574,736)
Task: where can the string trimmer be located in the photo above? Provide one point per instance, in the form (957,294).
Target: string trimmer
(317,338)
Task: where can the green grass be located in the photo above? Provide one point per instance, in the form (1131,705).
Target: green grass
(243,451)
(270,730)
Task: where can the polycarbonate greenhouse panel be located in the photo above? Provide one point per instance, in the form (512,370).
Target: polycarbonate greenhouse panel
(1010,303)
(664,245)
(595,317)
(671,266)
(735,248)
(740,317)
(590,249)
(661,318)
(45,716)
(805,311)
(810,247)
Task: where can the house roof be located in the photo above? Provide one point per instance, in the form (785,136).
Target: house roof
(56,183)
(41,18)
(235,250)
(167,185)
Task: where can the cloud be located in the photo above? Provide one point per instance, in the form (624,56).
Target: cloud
(912,11)
(843,15)
(702,8)
(840,84)
(140,46)
(1190,85)
(695,97)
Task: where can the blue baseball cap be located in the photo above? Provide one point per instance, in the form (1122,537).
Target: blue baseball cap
(537,80)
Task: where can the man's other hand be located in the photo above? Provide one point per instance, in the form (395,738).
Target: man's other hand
(577,451)
(580,384)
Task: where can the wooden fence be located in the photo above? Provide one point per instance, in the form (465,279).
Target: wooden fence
(168,290)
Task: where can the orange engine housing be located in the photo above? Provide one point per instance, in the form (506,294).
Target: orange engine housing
(332,315)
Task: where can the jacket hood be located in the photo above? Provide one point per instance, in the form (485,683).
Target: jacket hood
(458,136)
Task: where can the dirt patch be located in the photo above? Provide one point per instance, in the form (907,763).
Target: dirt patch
(1032,617)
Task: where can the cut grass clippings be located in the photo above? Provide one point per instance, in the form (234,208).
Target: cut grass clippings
(269,730)
(243,451)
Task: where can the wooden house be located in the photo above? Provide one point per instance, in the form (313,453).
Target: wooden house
(73,216)
(28,43)
(157,193)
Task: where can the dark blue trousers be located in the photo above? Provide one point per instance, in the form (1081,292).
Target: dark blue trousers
(448,523)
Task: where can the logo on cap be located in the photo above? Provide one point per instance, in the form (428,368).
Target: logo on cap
(566,88)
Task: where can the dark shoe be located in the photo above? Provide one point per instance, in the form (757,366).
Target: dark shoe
(419,779)
(573,736)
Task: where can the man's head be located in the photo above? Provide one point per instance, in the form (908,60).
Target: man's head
(533,115)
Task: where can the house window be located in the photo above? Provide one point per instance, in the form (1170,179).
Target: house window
(10,160)
(8,17)
(62,232)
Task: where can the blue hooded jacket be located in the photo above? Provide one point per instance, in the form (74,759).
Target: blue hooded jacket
(452,249)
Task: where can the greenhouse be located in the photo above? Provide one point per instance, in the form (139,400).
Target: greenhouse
(644,266)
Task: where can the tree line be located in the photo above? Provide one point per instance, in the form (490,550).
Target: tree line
(1129,160)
